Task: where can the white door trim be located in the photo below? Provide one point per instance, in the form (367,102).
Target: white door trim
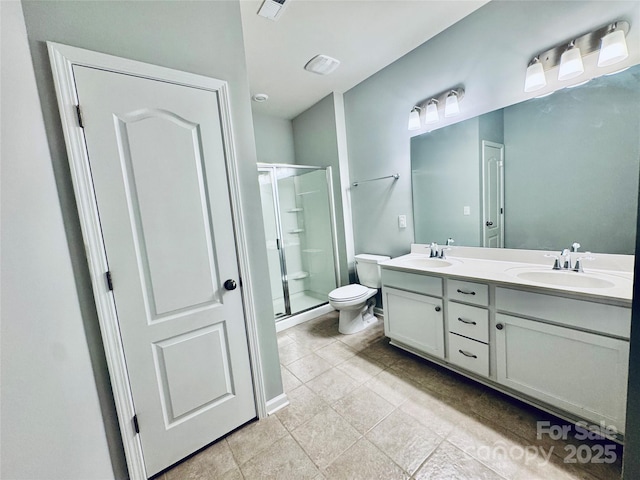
(63,58)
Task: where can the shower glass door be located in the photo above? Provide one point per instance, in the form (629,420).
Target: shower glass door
(297,206)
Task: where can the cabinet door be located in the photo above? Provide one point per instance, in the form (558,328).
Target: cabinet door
(582,373)
(415,320)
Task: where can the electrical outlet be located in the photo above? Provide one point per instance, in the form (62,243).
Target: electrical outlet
(402,221)
(466,210)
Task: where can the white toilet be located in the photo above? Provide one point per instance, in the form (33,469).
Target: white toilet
(355,302)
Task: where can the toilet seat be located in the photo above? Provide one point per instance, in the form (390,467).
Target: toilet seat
(349,293)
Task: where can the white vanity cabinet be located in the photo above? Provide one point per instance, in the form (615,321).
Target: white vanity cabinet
(564,349)
(543,351)
(413,311)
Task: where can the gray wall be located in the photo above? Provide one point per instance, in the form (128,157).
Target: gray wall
(274,139)
(571,167)
(52,425)
(316,143)
(446,173)
(487,52)
(199,37)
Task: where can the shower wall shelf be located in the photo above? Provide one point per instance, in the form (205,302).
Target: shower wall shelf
(295,210)
(312,250)
(273,244)
(297,230)
(307,193)
(298,276)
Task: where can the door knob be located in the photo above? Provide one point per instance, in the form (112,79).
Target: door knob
(230,284)
(499,326)
(489,223)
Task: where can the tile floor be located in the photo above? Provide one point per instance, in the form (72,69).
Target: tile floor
(363,409)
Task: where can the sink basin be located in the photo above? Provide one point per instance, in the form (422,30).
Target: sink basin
(427,262)
(565,279)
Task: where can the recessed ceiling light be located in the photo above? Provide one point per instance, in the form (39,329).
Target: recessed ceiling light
(260,97)
(322,64)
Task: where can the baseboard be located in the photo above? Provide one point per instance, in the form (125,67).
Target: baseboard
(303,317)
(277,403)
(378,311)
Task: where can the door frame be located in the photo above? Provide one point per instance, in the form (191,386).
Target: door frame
(63,58)
(272,168)
(499,146)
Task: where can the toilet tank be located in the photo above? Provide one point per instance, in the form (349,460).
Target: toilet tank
(368,269)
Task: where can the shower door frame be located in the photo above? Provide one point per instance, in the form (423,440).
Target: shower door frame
(272,168)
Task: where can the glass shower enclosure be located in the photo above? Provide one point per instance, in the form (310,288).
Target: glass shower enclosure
(299,222)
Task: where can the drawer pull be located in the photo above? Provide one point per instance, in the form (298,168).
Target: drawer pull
(468,322)
(499,326)
(470,355)
(438,309)
(466,293)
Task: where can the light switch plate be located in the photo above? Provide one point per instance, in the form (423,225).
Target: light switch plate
(467,210)
(402,221)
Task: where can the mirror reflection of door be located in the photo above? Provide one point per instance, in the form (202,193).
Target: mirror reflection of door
(492,194)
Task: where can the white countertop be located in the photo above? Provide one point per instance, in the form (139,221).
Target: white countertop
(501,266)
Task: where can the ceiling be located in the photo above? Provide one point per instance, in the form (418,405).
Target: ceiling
(365,35)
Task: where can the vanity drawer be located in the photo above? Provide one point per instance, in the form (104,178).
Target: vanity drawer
(472,322)
(412,282)
(468,292)
(469,354)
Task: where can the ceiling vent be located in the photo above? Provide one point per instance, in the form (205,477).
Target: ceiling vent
(322,64)
(272,9)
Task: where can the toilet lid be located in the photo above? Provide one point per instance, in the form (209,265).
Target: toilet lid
(348,292)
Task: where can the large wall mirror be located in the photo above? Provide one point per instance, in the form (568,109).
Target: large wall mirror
(540,174)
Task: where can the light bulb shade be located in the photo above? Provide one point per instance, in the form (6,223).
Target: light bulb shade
(432,115)
(535,79)
(414,119)
(451,107)
(570,64)
(613,49)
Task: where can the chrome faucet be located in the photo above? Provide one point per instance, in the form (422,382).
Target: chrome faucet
(450,241)
(563,261)
(434,250)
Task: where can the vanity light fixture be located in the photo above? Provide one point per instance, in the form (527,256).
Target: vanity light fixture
(451,107)
(535,79)
(608,40)
(450,99)
(432,115)
(414,118)
(570,63)
(613,48)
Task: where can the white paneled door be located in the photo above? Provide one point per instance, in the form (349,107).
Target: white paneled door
(158,167)
(492,194)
